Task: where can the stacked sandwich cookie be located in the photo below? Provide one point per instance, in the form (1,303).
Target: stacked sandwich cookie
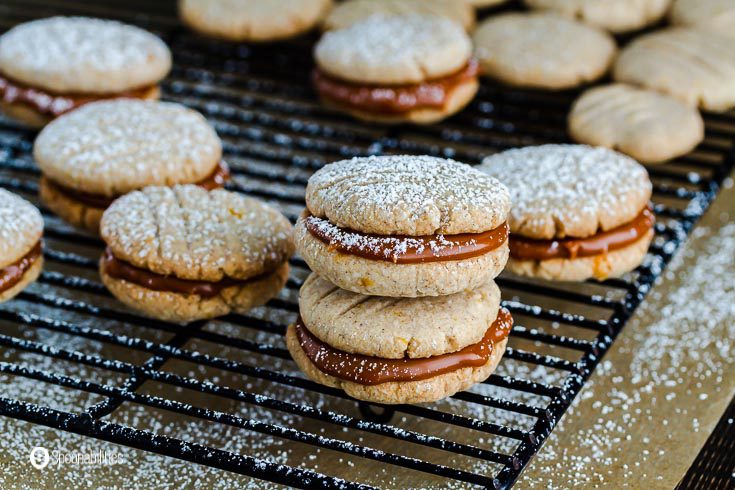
(402,307)
(579,212)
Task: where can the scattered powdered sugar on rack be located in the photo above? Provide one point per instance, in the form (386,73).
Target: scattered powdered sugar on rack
(21,226)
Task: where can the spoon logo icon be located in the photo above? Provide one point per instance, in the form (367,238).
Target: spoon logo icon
(39,457)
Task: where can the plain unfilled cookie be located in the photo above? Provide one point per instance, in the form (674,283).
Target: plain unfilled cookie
(694,66)
(613,15)
(563,191)
(717,15)
(253,20)
(83,55)
(542,50)
(644,124)
(347,13)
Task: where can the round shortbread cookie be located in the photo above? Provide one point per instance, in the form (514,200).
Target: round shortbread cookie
(717,15)
(21,227)
(113,147)
(395,49)
(424,391)
(646,125)
(613,15)
(252,20)
(542,50)
(190,233)
(563,191)
(83,55)
(407,195)
(397,328)
(696,67)
(347,13)
(611,264)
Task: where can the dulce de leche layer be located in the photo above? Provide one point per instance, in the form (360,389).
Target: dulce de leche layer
(368,370)
(571,248)
(401,249)
(216,179)
(54,105)
(392,99)
(13,274)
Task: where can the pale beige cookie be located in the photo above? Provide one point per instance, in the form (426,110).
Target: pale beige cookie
(563,191)
(709,15)
(612,15)
(397,49)
(347,13)
(424,391)
(83,55)
(253,20)
(542,50)
(646,125)
(397,328)
(694,66)
(407,195)
(21,227)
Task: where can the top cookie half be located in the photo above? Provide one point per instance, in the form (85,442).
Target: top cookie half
(407,195)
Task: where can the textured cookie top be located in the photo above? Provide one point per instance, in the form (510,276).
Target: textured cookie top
(190,233)
(407,195)
(542,50)
(252,20)
(569,190)
(695,66)
(113,147)
(397,49)
(712,14)
(647,125)
(21,227)
(613,15)
(347,13)
(83,55)
(394,328)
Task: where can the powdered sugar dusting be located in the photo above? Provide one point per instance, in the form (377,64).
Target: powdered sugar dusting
(407,195)
(21,226)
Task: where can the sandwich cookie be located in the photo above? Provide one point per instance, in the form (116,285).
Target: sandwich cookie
(694,66)
(578,212)
(404,226)
(21,252)
(252,20)
(347,13)
(542,50)
(91,156)
(612,15)
(50,66)
(710,15)
(649,126)
(184,253)
(397,68)
(409,350)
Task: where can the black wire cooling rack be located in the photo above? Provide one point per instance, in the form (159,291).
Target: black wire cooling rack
(276,134)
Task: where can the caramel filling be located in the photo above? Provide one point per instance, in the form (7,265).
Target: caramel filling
(54,105)
(119,269)
(572,248)
(216,179)
(368,370)
(393,99)
(13,274)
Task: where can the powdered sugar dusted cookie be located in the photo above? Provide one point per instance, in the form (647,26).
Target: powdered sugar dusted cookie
(185,253)
(404,226)
(21,259)
(253,20)
(50,66)
(542,50)
(613,15)
(578,211)
(716,15)
(347,13)
(646,125)
(406,350)
(694,66)
(105,149)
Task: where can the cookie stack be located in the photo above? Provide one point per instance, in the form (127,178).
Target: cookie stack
(402,307)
